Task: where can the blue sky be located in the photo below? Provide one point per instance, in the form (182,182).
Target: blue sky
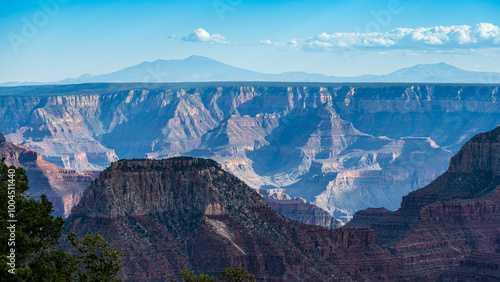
(49,40)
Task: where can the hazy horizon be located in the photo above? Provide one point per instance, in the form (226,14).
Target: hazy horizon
(51,40)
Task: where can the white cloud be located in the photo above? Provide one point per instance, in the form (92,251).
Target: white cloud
(483,35)
(266,42)
(201,35)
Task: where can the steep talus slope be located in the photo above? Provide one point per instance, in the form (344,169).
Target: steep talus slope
(187,212)
(452,226)
(63,187)
(343,147)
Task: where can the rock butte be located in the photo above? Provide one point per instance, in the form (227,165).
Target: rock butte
(187,212)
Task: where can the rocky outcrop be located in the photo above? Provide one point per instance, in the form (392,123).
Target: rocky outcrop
(186,212)
(298,209)
(344,147)
(63,187)
(451,228)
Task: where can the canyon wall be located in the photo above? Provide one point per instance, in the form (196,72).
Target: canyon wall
(342,147)
(188,212)
(451,228)
(63,187)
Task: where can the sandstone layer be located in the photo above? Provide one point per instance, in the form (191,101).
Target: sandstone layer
(344,147)
(451,228)
(168,214)
(63,187)
(186,212)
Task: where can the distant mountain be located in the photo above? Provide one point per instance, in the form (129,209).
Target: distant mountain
(202,69)
(194,68)
(440,73)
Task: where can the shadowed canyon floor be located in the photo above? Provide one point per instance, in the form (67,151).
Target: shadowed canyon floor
(344,147)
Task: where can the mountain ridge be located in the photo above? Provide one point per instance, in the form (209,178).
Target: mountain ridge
(202,69)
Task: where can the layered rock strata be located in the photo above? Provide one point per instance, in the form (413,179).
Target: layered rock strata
(63,187)
(298,209)
(451,228)
(186,212)
(344,147)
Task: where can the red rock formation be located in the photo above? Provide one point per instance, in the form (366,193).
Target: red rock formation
(185,212)
(63,187)
(451,228)
(189,212)
(343,147)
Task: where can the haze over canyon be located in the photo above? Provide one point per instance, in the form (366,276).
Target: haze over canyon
(344,147)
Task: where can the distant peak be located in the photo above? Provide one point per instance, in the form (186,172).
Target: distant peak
(193,58)
(2,138)
(438,65)
(198,58)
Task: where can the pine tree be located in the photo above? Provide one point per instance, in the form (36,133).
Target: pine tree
(30,251)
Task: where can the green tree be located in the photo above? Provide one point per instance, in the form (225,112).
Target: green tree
(97,260)
(37,233)
(227,275)
(235,275)
(57,265)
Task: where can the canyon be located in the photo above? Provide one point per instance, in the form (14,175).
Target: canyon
(63,187)
(342,147)
(189,212)
(449,229)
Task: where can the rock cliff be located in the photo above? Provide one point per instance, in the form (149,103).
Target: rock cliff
(187,212)
(344,147)
(63,187)
(451,228)
(167,214)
